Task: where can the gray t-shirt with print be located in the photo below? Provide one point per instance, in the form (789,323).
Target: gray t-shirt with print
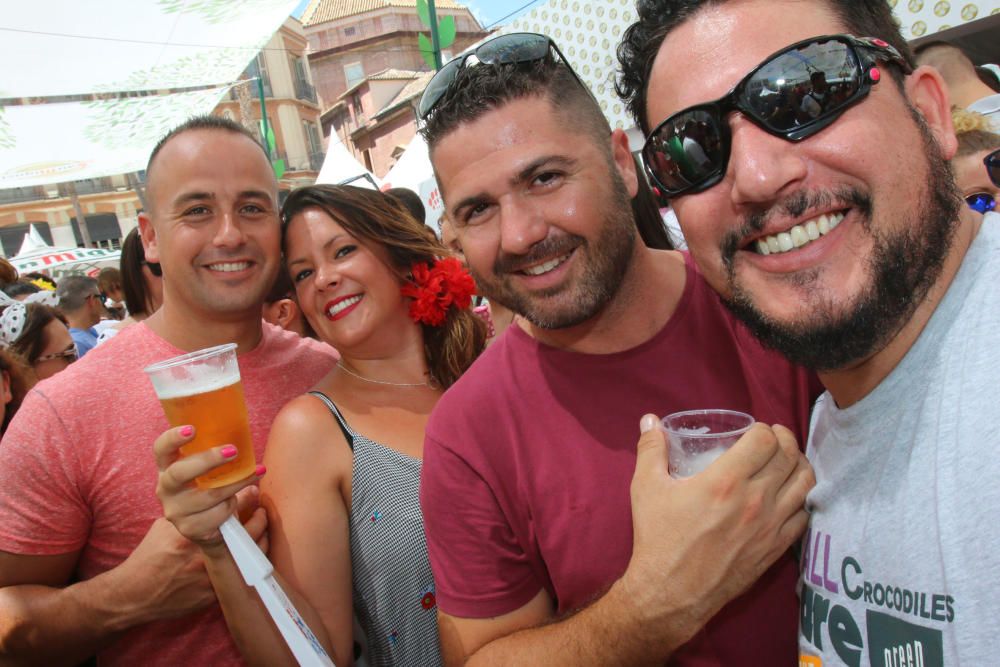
(901,563)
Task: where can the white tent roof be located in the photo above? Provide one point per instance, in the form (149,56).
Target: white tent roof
(413,170)
(340,166)
(97,138)
(33,243)
(68,47)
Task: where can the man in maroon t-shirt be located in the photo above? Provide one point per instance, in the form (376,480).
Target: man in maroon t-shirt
(554,540)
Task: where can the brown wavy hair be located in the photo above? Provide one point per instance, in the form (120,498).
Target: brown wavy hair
(31,342)
(22,378)
(375,218)
(973,131)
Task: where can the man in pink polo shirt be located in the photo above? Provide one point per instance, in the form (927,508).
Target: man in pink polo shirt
(77,475)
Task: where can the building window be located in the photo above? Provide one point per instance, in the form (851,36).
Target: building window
(315,145)
(258,68)
(353,73)
(350,31)
(303,89)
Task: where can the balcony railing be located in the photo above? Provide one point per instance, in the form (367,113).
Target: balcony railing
(15,195)
(305,91)
(87,187)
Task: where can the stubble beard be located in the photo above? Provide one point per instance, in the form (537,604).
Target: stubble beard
(607,257)
(903,267)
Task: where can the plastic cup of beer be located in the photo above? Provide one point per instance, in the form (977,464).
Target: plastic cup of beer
(698,437)
(203,389)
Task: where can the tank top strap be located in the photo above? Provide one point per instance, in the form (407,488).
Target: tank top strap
(335,411)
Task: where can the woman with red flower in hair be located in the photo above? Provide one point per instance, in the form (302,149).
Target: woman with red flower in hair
(344,460)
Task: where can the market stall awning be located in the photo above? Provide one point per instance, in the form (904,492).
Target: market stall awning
(68,47)
(38,256)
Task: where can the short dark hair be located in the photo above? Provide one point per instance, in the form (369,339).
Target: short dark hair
(73,292)
(657,18)
(205,122)
(480,88)
(138,301)
(411,200)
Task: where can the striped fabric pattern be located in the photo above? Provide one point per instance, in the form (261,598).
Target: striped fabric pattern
(394,596)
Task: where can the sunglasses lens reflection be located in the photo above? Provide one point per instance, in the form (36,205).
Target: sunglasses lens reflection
(981,202)
(801,86)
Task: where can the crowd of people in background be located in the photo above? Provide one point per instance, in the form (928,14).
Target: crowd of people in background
(446,419)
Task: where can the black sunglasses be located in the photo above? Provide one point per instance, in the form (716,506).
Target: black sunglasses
(515,47)
(992,162)
(793,94)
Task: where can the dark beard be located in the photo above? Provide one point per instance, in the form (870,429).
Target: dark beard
(903,266)
(608,260)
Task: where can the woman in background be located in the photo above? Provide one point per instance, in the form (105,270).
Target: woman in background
(15,381)
(976,140)
(37,333)
(142,285)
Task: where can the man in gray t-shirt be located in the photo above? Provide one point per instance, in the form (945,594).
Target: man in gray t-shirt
(840,239)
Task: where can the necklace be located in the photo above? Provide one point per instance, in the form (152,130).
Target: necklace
(391,384)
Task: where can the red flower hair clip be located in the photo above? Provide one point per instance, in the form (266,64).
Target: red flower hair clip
(436,288)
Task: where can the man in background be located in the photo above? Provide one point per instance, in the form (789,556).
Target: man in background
(80,302)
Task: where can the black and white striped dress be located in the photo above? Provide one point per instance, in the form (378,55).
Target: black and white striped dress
(393,587)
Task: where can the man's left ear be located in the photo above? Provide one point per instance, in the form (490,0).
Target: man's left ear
(624,161)
(928,92)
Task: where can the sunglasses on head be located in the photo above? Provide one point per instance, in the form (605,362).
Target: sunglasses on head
(513,48)
(793,94)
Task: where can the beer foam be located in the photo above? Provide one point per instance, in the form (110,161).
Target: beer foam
(191,380)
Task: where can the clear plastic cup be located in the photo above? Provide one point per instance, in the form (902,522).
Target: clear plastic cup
(698,437)
(203,389)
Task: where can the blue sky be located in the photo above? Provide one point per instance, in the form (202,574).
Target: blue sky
(489,12)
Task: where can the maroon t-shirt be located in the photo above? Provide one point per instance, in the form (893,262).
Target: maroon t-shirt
(529,458)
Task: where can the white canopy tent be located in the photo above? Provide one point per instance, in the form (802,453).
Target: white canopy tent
(67,47)
(54,143)
(413,171)
(70,48)
(37,255)
(339,166)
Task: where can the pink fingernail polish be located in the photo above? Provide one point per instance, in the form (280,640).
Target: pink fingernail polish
(260,470)
(228,451)
(187,431)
